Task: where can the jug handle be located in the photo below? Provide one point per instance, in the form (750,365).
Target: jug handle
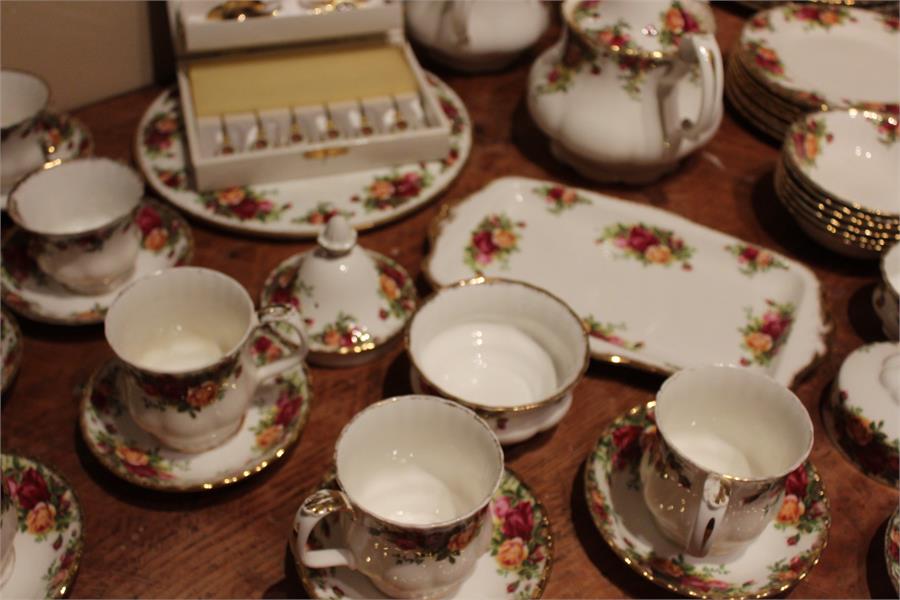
(702,50)
(710,512)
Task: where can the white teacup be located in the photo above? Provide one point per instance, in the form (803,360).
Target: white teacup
(184,335)
(503,348)
(80,215)
(416,475)
(728,438)
(8,526)
(23,99)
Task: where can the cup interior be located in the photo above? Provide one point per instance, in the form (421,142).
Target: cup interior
(498,344)
(418,460)
(179,320)
(76,196)
(23,97)
(735,422)
(890,268)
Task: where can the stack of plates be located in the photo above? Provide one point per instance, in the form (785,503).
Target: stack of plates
(838,176)
(798,58)
(885,6)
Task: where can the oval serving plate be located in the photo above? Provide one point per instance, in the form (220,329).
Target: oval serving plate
(652,288)
(788,48)
(297,209)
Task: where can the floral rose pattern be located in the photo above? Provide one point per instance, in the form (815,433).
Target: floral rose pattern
(391,191)
(59,132)
(344,333)
(160,133)
(632,66)
(142,464)
(765,58)
(160,232)
(754,260)
(321,214)
(519,540)
(763,336)
(397,288)
(244,204)
(807,140)
(43,502)
(560,198)
(414,547)
(761,21)
(888,128)
(890,22)
(866,442)
(452,112)
(607,333)
(283,287)
(618,454)
(281,418)
(60,570)
(494,239)
(677,22)
(649,245)
(172,178)
(814,16)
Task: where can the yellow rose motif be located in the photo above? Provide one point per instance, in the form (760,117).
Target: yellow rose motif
(41,518)
(512,553)
(810,146)
(156,239)
(503,238)
(787,575)
(569,196)
(132,456)
(389,287)
(791,510)
(331,338)
(828,17)
(381,190)
(459,541)
(758,342)
(674,21)
(269,436)
(166,125)
(202,395)
(658,254)
(858,429)
(764,259)
(767,54)
(230,196)
(666,566)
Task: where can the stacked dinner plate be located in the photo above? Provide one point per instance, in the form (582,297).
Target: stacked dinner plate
(838,177)
(797,58)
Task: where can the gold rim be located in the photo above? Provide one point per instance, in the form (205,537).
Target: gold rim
(679,588)
(184,258)
(539,588)
(435,191)
(761,123)
(65,587)
(12,208)
(446,215)
(876,233)
(271,457)
(774,106)
(16,361)
(493,410)
(366,350)
(871,213)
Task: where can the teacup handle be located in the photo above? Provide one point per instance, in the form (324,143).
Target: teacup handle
(281,314)
(315,508)
(702,50)
(712,507)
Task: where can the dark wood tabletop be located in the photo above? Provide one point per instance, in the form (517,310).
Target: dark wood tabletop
(232,542)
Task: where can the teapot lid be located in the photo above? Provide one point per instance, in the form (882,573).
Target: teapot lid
(353,301)
(650,29)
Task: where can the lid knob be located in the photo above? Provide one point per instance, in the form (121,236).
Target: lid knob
(338,238)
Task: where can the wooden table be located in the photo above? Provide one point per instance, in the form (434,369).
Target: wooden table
(232,542)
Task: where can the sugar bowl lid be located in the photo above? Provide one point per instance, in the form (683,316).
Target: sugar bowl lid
(353,301)
(866,402)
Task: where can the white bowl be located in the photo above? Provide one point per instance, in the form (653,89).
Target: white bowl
(24,96)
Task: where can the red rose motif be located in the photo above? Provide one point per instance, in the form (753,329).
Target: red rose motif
(749,254)
(148,219)
(774,325)
(556,192)
(393,273)
(141,470)
(553,76)
(639,239)
(690,23)
(626,439)
(484,242)
(245,209)
(409,185)
(807,13)
(797,564)
(283,296)
(519,522)
(261,344)
(449,109)
(894,551)
(31,489)
(796,482)
(287,409)
(502,507)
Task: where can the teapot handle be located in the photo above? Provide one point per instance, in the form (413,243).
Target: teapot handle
(702,50)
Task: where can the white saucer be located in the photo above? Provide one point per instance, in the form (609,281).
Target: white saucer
(277,415)
(166,242)
(298,209)
(494,575)
(511,427)
(48,544)
(777,560)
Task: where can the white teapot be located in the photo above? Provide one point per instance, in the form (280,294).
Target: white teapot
(631,88)
(476,36)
